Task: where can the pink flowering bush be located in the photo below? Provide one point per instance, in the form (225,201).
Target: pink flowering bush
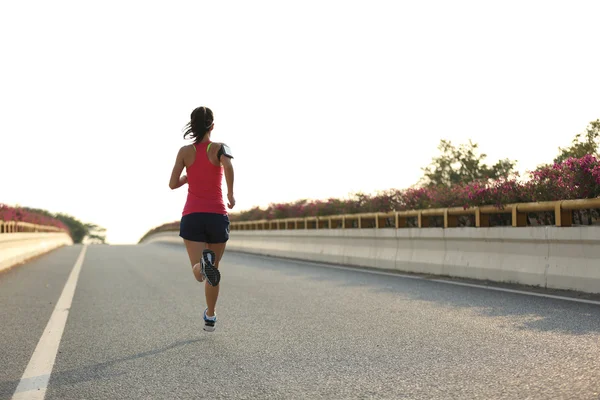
(575,178)
(497,193)
(8,214)
(415,199)
(572,179)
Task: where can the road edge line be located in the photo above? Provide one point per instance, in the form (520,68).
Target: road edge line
(34,382)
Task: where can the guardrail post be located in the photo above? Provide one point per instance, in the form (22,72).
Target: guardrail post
(400,221)
(518,219)
(450,221)
(381,220)
(423,222)
(562,217)
(481,220)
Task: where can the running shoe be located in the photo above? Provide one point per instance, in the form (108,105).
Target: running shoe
(209,322)
(212,274)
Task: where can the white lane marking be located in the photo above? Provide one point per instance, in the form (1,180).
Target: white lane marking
(400,275)
(34,381)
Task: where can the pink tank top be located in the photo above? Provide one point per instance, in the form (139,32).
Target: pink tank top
(204,185)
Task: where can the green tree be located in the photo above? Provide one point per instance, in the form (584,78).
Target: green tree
(463,164)
(583,143)
(96,232)
(79,230)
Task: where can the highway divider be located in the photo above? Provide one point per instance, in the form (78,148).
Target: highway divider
(549,257)
(18,247)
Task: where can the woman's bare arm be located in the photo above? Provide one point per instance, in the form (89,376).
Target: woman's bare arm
(228,169)
(177,180)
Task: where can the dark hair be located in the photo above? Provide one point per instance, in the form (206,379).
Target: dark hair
(201,120)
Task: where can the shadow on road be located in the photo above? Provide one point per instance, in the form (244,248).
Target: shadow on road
(528,312)
(90,372)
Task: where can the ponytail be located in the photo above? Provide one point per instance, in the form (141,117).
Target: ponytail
(201,120)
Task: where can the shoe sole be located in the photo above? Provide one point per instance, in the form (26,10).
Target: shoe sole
(209,328)
(212,274)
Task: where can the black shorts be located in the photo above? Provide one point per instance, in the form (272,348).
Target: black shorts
(205,227)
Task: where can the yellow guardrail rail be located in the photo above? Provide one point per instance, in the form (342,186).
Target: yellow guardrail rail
(563,214)
(20,226)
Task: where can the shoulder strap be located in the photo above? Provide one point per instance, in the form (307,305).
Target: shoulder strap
(208,147)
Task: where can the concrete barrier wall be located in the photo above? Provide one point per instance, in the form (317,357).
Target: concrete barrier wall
(16,248)
(549,257)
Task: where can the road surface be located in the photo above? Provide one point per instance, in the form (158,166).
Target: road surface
(286,330)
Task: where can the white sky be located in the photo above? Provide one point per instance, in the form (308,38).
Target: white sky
(315,98)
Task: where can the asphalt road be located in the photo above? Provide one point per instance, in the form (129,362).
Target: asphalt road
(288,330)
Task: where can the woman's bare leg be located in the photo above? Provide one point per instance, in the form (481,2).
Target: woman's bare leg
(194,250)
(212,292)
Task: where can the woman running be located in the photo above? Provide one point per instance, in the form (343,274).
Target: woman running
(204,223)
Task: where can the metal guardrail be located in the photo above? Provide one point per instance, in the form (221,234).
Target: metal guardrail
(20,226)
(563,214)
